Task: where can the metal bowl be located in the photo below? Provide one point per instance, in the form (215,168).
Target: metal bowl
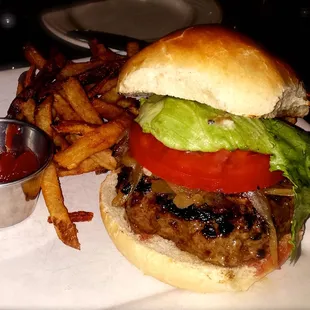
(19,198)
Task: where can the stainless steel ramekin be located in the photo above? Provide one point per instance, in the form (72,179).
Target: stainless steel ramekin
(18,198)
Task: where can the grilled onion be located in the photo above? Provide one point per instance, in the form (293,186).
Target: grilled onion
(184,197)
(135,178)
(261,204)
(279,191)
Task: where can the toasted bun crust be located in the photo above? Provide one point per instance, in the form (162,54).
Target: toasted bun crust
(218,67)
(161,259)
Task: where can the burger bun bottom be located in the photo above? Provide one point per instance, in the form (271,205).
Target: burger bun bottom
(161,259)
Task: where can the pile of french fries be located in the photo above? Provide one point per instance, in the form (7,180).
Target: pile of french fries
(77,105)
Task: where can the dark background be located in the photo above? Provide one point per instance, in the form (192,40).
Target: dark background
(281,26)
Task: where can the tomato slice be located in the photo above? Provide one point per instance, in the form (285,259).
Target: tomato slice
(225,171)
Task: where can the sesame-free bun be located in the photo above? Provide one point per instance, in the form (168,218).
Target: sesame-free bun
(161,259)
(218,67)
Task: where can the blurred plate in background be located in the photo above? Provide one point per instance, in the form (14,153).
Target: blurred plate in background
(142,19)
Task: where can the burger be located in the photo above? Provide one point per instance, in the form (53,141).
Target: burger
(213,189)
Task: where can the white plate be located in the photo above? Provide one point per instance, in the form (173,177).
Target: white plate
(142,19)
(39,272)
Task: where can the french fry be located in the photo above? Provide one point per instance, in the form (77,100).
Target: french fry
(73,68)
(103,86)
(32,187)
(111,68)
(96,48)
(9,137)
(20,88)
(42,85)
(133,110)
(93,142)
(68,127)
(132,48)
(78,106)
(57,59)
(77,216)
(88,87)
(64,110)
(34,57)
(111,96)
(30,74)
(100,171)
(107,110)
(20,83)
(54,114)
(60,142)
(105,159)
(108,85)
(76,96)
(65,229)
(14,110)
(43,116)
(130,104)
(71,138)
(86,166)
(28,109)
(109,55)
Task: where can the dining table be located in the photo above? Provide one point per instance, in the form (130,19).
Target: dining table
(39,272)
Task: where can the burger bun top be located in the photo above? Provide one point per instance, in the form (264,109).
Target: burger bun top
(219,67)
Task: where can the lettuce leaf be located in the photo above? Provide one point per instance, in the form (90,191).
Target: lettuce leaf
(191,126)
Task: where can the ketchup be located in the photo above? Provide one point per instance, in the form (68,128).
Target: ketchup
(16,165)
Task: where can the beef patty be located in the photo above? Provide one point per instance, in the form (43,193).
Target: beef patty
(226,231)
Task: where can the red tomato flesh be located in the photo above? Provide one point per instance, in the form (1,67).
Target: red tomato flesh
(15,166)
(225,171)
